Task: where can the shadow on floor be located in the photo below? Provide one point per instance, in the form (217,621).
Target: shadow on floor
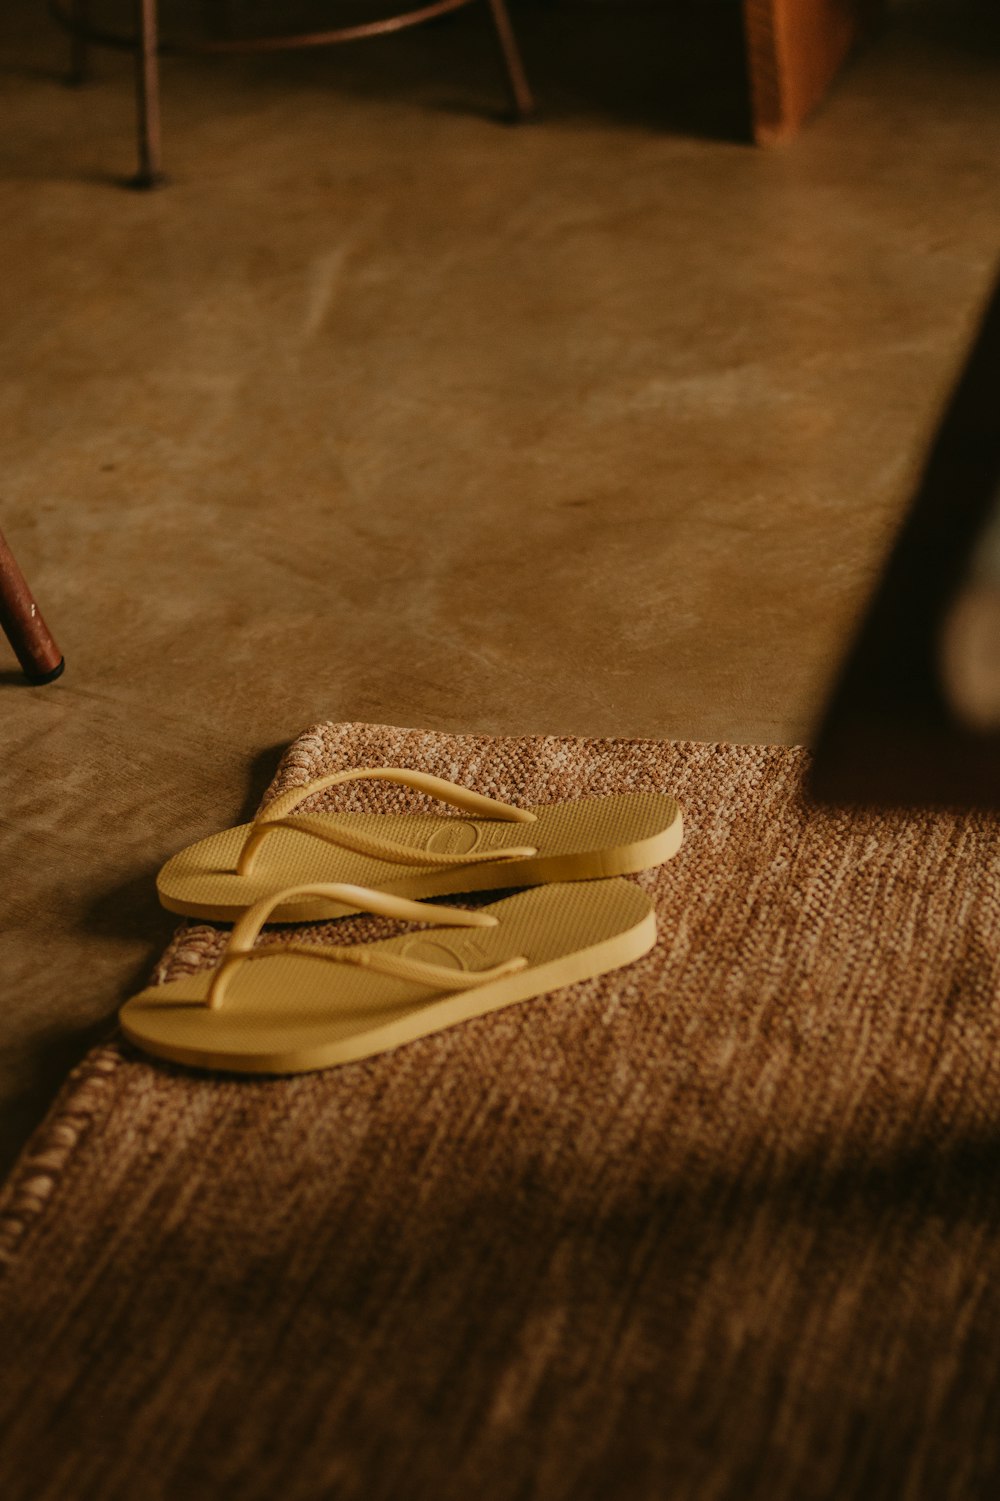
(127,911)
(132,909)
(657,64)
(42,1071)
(669,66)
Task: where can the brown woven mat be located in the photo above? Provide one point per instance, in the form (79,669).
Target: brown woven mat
(725,1224)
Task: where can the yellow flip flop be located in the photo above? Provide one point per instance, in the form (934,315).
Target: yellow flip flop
(417,854)
(291,1009)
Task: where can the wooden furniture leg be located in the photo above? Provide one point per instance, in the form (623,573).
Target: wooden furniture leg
(147,96)
(520,90)
(794,50)
(143,40)
(39,656)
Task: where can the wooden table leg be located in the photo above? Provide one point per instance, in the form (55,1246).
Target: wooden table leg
(794,49)
(21,619)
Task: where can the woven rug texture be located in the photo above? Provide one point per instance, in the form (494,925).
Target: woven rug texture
(723,1224)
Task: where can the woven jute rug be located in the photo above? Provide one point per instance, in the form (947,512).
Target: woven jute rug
(724,1224)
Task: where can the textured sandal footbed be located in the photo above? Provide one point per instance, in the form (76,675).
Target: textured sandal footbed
(586,839)
(291,1014)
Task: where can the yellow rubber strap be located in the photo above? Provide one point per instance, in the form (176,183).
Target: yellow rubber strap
(420,781)
(279,815)
(240,946)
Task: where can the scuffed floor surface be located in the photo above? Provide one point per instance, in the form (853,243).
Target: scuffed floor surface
(386,411)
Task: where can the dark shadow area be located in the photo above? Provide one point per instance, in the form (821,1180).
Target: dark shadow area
(956,26)
(260,774)
(55,1051)
(129,910)
(892,733)
(679,1301)
(132,909)
(13,677)
(669,66)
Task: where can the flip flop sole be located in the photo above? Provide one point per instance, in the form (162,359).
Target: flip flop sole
(292,1014)
(589,839)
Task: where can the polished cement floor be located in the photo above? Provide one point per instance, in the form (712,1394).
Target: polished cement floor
(385,410)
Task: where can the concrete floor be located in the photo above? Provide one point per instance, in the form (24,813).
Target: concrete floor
(386,411)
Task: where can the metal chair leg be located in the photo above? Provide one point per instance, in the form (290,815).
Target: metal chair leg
(521,95)
(22,623)
(147,92)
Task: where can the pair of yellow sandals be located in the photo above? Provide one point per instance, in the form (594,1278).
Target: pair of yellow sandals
(291,1013)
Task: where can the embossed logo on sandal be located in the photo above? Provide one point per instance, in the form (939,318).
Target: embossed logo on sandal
(455,837)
